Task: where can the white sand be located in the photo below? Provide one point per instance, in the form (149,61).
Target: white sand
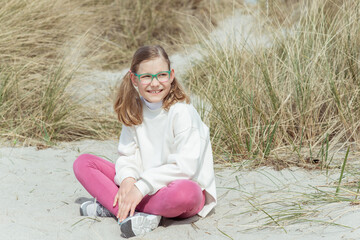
(39,191)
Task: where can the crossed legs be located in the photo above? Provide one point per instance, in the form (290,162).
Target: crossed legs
(181,198)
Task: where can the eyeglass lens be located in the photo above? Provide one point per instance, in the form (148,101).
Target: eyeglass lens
(161,77)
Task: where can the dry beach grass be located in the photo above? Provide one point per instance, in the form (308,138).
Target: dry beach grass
(302,92)
(44,43)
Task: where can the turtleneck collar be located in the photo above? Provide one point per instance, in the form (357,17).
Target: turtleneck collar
(152,106)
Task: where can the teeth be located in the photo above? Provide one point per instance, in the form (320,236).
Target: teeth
(155,91)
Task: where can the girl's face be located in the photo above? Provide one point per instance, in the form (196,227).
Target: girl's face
(155,91)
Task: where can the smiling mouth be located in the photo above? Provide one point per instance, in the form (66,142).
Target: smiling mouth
(155,92)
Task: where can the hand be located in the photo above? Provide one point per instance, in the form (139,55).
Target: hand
(129,203)
(124,188)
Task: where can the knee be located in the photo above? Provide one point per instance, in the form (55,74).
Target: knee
(81,162)
(188,193)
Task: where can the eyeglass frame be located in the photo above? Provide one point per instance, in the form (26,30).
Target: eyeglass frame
(152,76)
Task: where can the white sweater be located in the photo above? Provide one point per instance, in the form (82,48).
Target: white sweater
(167,146)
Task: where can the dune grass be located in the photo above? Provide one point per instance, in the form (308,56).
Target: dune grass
(289,199)
(44,43)
(281,12)
(299,93)
(35,106)
(129,24)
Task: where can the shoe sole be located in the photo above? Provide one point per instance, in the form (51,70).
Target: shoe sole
(138,224)
(126,229)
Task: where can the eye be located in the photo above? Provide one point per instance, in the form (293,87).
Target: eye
(145,77)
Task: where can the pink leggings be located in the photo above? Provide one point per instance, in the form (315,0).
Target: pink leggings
(181,198)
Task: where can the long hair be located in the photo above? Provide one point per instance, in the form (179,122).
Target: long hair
(128,106)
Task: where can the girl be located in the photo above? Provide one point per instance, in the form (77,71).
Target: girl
(165,164)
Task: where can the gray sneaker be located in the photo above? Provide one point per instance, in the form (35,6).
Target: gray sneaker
(139,224)
(94,208)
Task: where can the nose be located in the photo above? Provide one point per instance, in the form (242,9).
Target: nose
(154,82)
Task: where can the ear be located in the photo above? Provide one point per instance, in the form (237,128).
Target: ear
(134,79)
(172,75)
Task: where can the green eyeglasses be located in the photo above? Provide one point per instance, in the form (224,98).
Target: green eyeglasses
(146,78)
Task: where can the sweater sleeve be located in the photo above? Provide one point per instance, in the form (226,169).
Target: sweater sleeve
(183,163)
(128,163)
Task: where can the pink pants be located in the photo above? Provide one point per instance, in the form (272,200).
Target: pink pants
(181,198)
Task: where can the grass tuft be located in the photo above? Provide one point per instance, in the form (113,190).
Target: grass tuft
(303,90)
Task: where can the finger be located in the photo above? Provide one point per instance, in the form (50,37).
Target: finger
(118,214)
(132,210)
(119,207)
(124,212)
(122,207)
(121,199)
(115,200)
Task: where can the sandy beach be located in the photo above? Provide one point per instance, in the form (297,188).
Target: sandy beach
(41,195)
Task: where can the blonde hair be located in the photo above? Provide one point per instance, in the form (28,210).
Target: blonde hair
(128,105)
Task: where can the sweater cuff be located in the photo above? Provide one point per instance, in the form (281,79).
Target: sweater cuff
(119,178)
(143,187)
